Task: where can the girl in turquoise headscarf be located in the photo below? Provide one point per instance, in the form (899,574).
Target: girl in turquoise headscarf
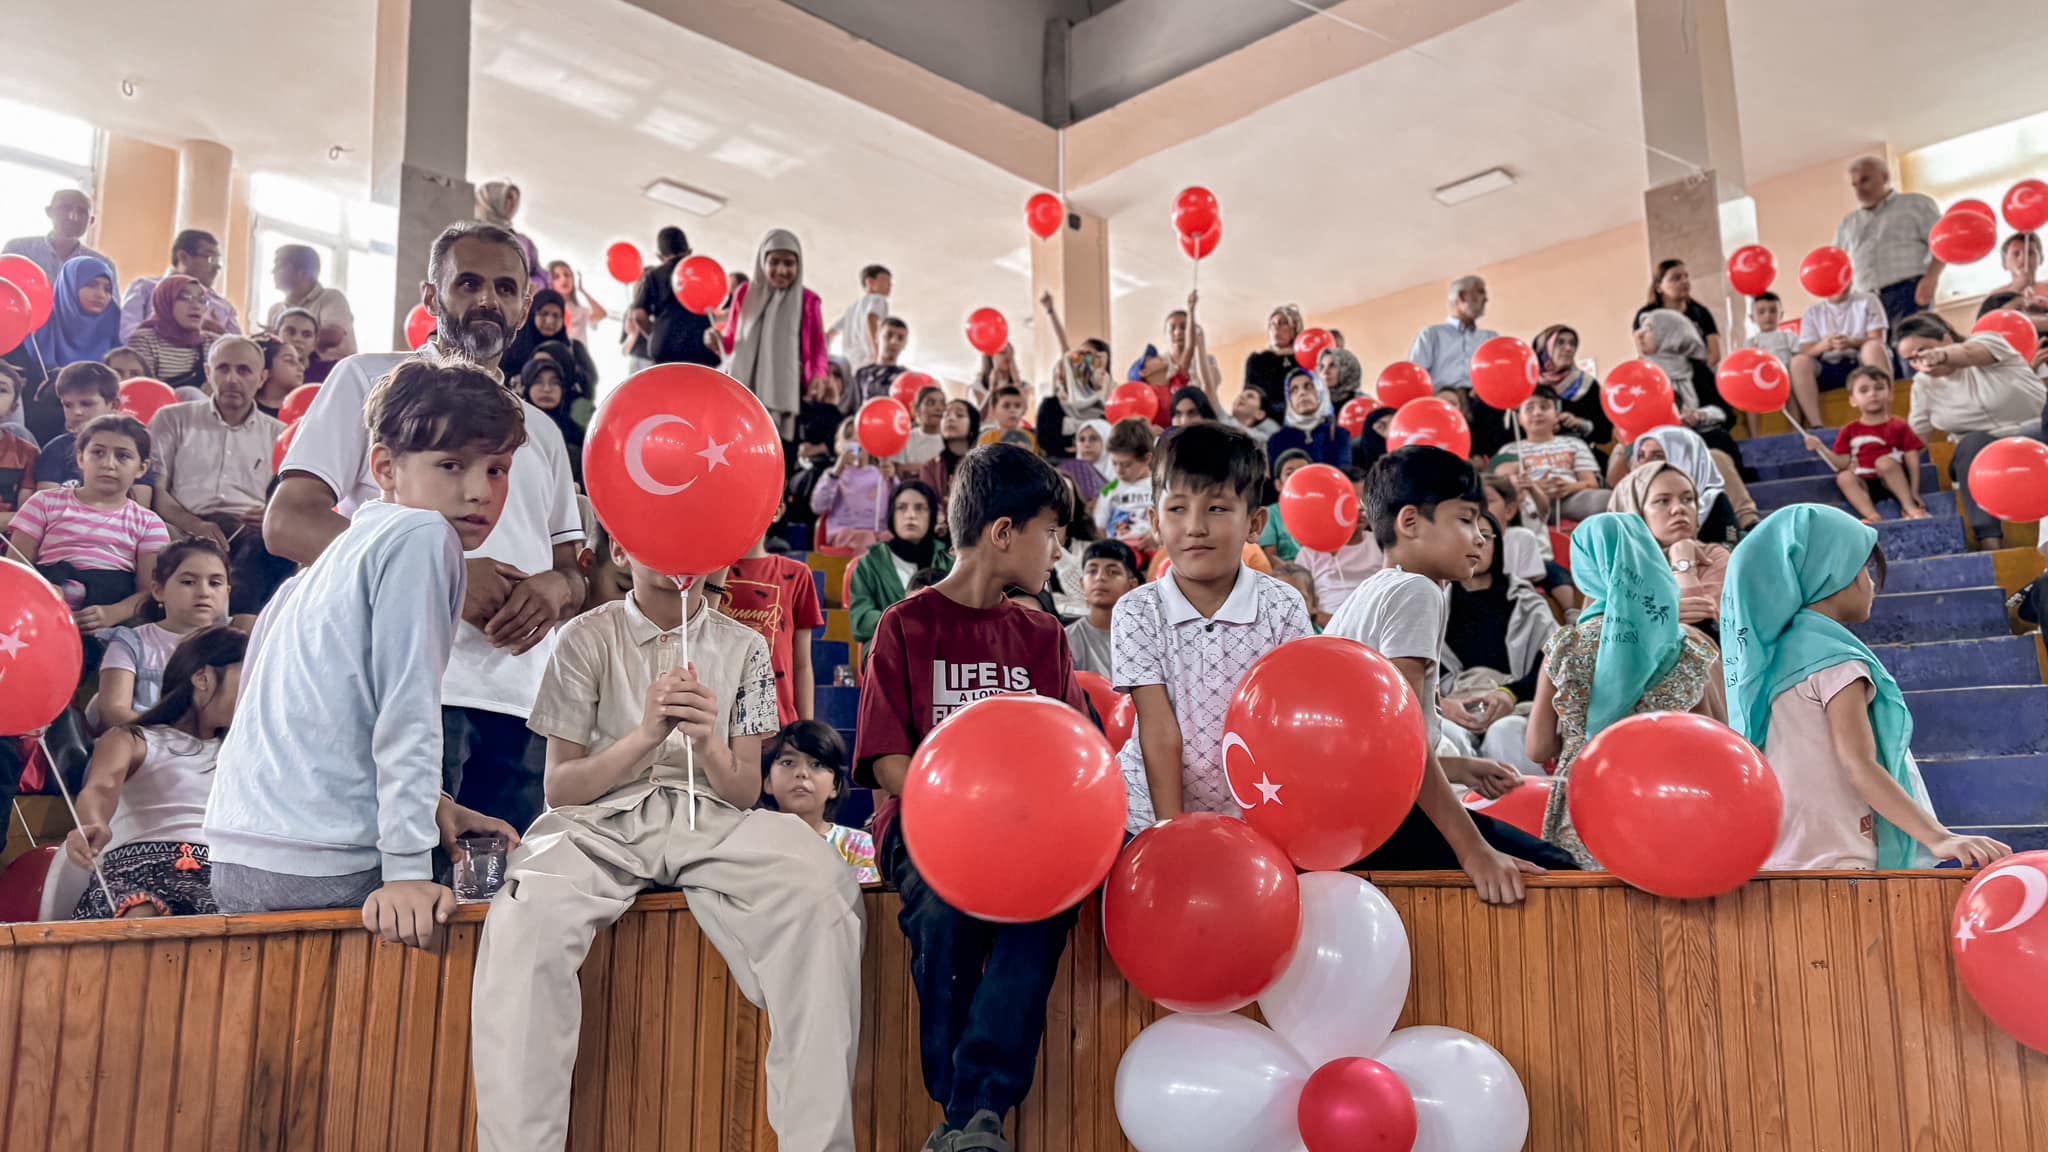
(1828,717)
(1627,654)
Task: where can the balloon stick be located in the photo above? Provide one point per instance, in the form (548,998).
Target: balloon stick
(63,789)
(666,661)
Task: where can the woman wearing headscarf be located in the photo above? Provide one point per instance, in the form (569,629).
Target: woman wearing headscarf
(1579,411)
(1628,653)
(84,324)
(1090,468)
(541,382)
(497,202)
(1371,442)
(1311,424)
(171,342)
(1269,367)
(959,430)
(1724,500)
(774,342)
(882,574)
(1673,342)
(1664,496)
(547,322)
(1342,375)
(1820,706)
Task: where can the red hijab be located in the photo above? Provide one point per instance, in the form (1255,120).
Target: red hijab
(162,313)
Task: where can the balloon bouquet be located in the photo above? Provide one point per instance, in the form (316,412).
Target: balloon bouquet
(1324,955)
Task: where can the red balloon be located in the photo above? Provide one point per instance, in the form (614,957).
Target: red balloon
(1044,214)
(28,276)
(1308,347)
(1752,269)
(1186,884)
(1522,807)
(1319,506)
(1023,779)
(419,327)
(1198,246)
(143,398)
(1119,723)
(1754,380)
(1133,400)
(1638,396)
(1323,746)
(1351,417)
(683,444)
(283,447)
(17,319)
(1402,382)
(987,331)
(1432,421)
(297,403)
(2009,479)
(700,284)
(1825,272)
(1196,212)
(1356,1105)
(1977,207)
(1101,693)
(884,427)
(904,391)
(1504,373)
(1962,238)
(2015,327)
(2026,206)
(1676,804)
(623,261)
(43,654)
(2000,940)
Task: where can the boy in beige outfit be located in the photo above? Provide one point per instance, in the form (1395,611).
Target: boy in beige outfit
(617,706)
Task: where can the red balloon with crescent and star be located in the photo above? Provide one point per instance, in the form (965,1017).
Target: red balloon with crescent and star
(2000,940)
(1638,397)
(1754,380)
(41,653)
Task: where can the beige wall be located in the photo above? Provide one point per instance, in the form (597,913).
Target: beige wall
(1594,283)
(137,206)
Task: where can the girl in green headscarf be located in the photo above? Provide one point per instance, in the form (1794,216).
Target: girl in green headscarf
(1828,717)
(1628,653)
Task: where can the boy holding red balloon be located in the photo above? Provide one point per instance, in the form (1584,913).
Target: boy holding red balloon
(981,986)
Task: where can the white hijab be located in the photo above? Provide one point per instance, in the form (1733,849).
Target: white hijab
(1688,453)
(1102,463)
(767,355)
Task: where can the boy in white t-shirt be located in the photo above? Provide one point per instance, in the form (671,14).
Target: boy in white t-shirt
(1561,467)
(1425,507)
(1835,336)
(1124,510)
(860,330)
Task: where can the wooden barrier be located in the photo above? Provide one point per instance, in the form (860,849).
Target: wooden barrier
(1811,1013)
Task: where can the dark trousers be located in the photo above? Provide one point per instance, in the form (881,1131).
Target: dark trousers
(253,573)
(493,763)
(1490,431)
(981,991)
(1416,846)
(1899,302)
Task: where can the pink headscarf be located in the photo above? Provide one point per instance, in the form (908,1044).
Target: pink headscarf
(162,308)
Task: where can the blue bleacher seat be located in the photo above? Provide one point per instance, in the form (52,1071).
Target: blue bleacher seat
(827,655)
(798,535)
(838,707)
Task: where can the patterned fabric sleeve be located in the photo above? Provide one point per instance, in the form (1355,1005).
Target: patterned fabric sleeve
(1135,642)
(754,709)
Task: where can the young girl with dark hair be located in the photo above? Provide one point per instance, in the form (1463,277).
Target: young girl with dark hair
(805,775)
(189,592)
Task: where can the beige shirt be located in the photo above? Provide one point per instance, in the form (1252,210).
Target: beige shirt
(595,689)
(1888,243)
(330,310)
(209,465)
(1999,398)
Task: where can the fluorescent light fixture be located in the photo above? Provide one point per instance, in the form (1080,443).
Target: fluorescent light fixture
(691,200)
(1473,187)
(1018,262)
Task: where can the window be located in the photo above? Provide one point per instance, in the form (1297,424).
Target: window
(1980,165)
(40,153)
(357,242)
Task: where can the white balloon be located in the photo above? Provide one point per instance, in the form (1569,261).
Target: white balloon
(1209,1084)
(1343,990)
(1467,1096)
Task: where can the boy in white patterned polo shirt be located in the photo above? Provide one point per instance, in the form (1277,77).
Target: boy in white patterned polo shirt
(1181,644)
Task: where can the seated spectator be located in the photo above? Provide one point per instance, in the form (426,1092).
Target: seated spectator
(125,363)
(296,327)
(881,576)
(818,416)
(1835,336)
(283,371)
(1562,467)
(1340,573)
(1341,376)
(1248,411)
(1090,469)
(1725,502)
(70,214)
(1527,553)
(1671,290)
(1875,447)
(2021,256)
(998,370)
(805,775)
(193,253)
(547,323)
(1974,391)
(2015,301)
(1587,685)
(1190,406)
(92,541)
(959,429)
(927,411)
(1008,406)
(13,406)
(1579,410)
(214,468)
(1822,708)
(1070,559)
(83,327)
(1664,496)
(17,449)
(777,596)
(1311,424)
(1494,634)
(1081,384)
(1672,342)
(189,587)
(87,391)
(173,342)
(1371,442)
(1124,511)
(1767,312)
(1279,544)
(1109,569)
(851,494)
(542,384)
(583,309)
(873,380)
(141,814)
(1304,582)
(296,271)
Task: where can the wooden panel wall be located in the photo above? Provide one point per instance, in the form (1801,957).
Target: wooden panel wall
(1817,1013)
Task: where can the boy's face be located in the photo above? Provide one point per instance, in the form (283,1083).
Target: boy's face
(880,285)
(1010,412)
(1204,531)
(8,394)
(1870,396)
(109,464)
(1023,551)
(1288,469)
(298,332)
(931,408)
(125,365)
(81,408)
(1539,417)
(465,485)
(1443,546)
(893,340)
(1766,313)
(1131,469)
(1104,582)
(1249,408)
(801,785)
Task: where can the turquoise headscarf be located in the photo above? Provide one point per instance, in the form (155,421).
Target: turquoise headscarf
(1627,580)
(1771,641)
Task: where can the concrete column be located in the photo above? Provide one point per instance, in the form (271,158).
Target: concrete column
(419,142)
(141,179)
(205,179)
(1074,266)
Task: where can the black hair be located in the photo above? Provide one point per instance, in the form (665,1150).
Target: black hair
(531,374)
(423,406)
(2030,239)
(1002,482)
(670,243)
(1096,344)
(1005,392)
(1081,527)
(929,390)
(1925,325)
(1280,461)
(973,419)
(1766,298)
(898,323)
(219,647)
(924,578)
(1203,408)
(1420,477)
(170,559)
(437,253)
(1498,569)
(1874,373)
(1663,266)
(931,503)
(1133,437)
(1200,457)
(816,739)
(1042,598)
(115,424)
(1115,550)
(870,272)
(1996,301)
(188,242)
(89,376)
(305,314)
(271,346)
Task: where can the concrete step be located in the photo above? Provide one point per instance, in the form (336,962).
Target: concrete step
(2022,838)
(2008,790)
(1963,723)
(1820,488)
(1919,539)
(1940,573)
(2000,661)
(1923,617)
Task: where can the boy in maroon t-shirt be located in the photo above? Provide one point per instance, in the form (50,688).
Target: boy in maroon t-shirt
(981,987)
(778,597)
(1876,447)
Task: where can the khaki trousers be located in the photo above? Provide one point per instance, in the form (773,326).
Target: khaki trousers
(780,906)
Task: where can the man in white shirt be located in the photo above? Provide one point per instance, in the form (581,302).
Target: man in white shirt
(1445,352)
(196,254)
(522,581)
(1886,239)
(1834,337)
(296,272)
(860,330)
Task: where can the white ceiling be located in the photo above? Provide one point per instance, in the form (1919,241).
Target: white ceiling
(1326,195)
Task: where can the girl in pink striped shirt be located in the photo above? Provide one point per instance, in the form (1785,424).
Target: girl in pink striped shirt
(90,539)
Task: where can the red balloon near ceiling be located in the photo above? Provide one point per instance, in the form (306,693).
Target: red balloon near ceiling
(43,654)
(16,317)
(2009,479)
(1752,269)
(1504,373)
(883,427)
(1962,238)
(1196,212)
(143,398)
(1309,346)
(1351,417)
(2026,206)
(1200,246)
(1825,272)
(1319,506)
(1754,380)
(700,284)
(1402,382)
(1432,421)
(2000,941)
(623,261)
(297,403)
(1132,400)
(28,276)
(1977,207)
(1044,214)
(419,327)
(2017,329)
(987,331)
(1638,396)
(1676,804)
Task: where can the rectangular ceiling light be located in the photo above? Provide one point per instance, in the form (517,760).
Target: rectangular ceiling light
(1473,187)
(691,200)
